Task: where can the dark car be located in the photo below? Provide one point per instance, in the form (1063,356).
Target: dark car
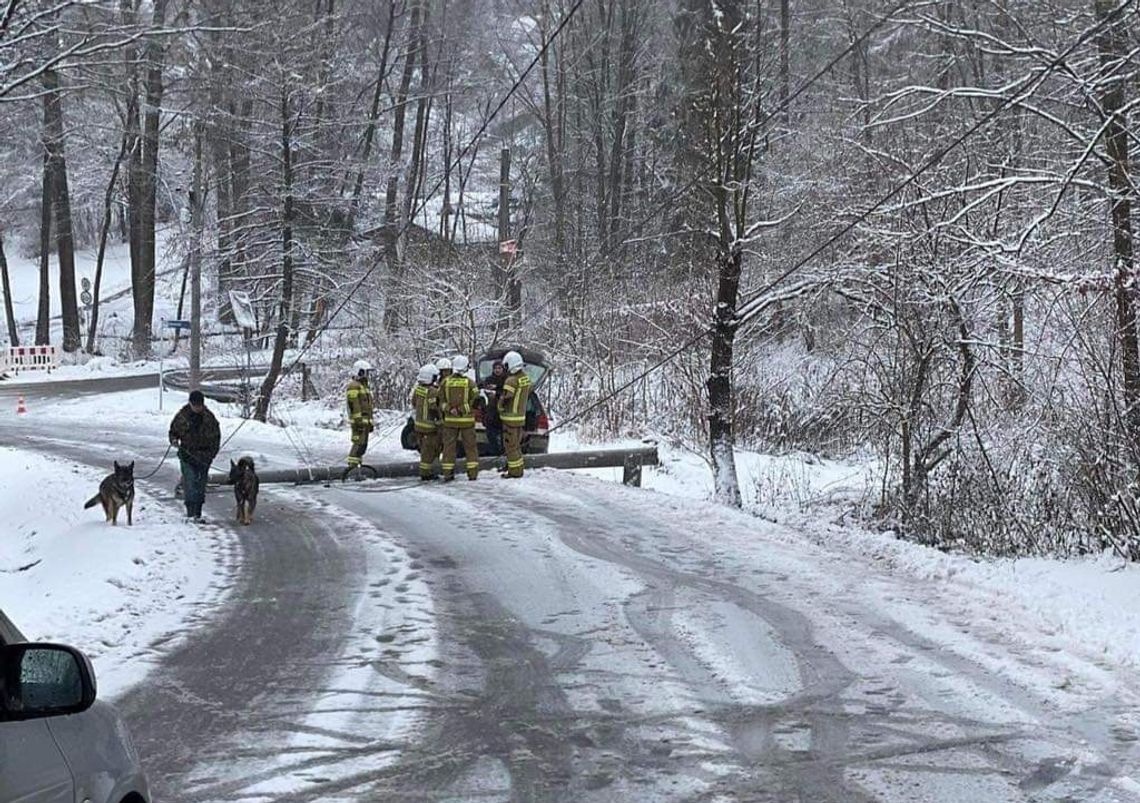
(536,432)
(57,742)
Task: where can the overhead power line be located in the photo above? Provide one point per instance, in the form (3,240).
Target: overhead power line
(758,301)
(386,252)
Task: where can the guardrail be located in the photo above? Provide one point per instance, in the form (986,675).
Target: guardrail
(629,460)
(214,381)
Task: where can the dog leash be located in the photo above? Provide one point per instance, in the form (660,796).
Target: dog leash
(160,462)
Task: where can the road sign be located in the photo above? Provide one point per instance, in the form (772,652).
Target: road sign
(176,324)
(242,306)
(85,296)
(85,283)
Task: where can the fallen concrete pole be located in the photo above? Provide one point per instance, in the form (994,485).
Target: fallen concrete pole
(629,460)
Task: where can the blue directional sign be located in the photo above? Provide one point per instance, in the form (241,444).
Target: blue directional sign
(176,324)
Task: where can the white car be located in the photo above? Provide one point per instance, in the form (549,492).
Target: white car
(57,743)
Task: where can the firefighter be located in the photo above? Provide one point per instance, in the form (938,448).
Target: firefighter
(512,404)
(425,400)
(457,395)
(443,365)
(359,411)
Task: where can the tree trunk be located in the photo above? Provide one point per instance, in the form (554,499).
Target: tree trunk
(553,146)
(219,134)
(373,115)
(785,56)
(132,136)
(197,210)
(240,205)
(10,316)
(61,209)
(417,166)
(104,229)
(622,114)
(143,273)
(722,435)
(284,314)
(445,211)
(1113,46)
(43,317)
(392,220)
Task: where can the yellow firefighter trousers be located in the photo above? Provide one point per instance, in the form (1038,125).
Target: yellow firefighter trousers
(359,445)
(429,452)
(512,444)
(451,438)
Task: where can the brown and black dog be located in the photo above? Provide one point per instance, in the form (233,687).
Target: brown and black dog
(115,492)
(245,481)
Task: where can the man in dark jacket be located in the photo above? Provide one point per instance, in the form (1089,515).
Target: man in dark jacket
(494,426)
(198,437)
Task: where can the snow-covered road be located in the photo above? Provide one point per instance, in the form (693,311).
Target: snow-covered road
(564,638)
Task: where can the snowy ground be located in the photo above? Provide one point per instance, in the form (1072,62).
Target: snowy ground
(67,576)
(1082,603)
(1069,625)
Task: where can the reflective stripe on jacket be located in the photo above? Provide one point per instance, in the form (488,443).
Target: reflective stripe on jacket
(425,399)
(359,403)
(457,398)
(512,402)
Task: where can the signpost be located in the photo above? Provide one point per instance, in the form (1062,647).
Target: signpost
(242,307)
(174,326)
(85,299)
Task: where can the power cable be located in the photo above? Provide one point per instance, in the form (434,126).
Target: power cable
(655,213)
(752,306)
(418,208)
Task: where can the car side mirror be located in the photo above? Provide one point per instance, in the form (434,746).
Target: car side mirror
(44,680)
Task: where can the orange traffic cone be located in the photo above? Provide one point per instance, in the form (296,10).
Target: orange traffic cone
(20,408)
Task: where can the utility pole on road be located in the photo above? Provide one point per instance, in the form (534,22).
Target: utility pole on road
(506,245)
(197,204)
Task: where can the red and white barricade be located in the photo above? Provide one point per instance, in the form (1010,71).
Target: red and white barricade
(30,358)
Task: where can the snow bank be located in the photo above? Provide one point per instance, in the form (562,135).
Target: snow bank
(67,576)
(1083,605)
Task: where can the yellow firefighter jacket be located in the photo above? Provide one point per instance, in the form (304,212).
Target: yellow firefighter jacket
(457,398)
(359,404)
(513,399)
(425,399)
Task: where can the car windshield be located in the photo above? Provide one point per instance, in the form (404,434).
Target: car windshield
(485,367)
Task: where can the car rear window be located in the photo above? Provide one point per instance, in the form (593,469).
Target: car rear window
(483,371)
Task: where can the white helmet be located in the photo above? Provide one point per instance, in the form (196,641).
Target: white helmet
(513,360)
(443,364)
(361,366)
(427,374)
(459,364)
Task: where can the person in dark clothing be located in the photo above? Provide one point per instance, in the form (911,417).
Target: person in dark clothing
(494,384)
(198,437)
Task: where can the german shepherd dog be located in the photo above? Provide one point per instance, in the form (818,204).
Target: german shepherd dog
(245,481)
(116,491)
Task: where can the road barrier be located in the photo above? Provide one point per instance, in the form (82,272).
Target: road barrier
(28,358)
(629,460)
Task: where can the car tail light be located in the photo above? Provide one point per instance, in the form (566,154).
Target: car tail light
(542,423)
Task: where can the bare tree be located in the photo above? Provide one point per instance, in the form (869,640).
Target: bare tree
(61,208)
(143,178)
(9,315)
